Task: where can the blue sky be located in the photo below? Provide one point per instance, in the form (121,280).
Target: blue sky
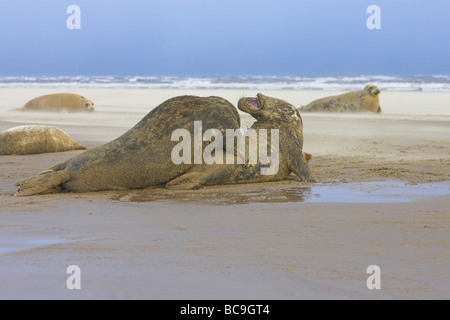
(224,37)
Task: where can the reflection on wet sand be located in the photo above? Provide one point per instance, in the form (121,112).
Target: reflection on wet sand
(284,191)
(292,191)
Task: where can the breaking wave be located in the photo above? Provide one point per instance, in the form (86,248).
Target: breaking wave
(385,83)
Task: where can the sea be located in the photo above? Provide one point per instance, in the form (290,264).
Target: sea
(436,83)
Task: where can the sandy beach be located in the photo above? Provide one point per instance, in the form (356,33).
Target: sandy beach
(383,199)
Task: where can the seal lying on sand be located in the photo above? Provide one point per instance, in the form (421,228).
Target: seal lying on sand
(59,102)
(270,114)
(366,100)
(34,140)
(141,157)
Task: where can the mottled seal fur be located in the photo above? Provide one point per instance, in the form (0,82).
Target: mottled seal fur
(59,102)
(366,100)
(270,113)
(35,139)
(141,157)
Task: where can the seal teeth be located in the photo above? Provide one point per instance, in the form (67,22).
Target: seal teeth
(254,104)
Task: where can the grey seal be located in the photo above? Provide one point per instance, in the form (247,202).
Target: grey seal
(366,100)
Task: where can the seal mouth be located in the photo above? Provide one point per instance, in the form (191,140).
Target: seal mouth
(255,104)
(252,104)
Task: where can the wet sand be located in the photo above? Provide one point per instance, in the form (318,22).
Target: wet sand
(383,199)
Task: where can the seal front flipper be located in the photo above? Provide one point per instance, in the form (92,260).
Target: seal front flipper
(187,181)
(43,184)
(202,175)
(58,167)
(195,178)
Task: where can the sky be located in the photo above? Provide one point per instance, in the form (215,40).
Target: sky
(224,38)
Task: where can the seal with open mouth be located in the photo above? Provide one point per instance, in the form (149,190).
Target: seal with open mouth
(271,114)
(366,100)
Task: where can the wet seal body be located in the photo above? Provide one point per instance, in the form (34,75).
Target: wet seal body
(366,100)
(59,102)
(34,140)
(141,157)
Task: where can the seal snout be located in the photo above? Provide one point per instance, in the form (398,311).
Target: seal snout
(372,90)
(89,106)
(250,104)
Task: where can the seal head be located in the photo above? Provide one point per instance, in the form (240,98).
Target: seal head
(89,105)
(373,92)
(264,108)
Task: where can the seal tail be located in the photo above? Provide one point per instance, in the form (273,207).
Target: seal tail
(79,146)
(45,183)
